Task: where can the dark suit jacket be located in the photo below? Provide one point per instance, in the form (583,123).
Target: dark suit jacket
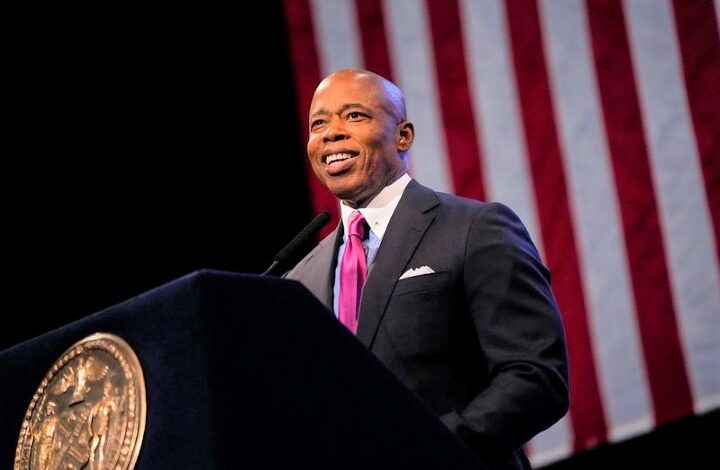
(480,341)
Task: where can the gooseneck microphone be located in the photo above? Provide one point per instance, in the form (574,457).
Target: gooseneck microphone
(300,240)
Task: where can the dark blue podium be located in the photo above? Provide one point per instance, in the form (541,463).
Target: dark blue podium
(243,371)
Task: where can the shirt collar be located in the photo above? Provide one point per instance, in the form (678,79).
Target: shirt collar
(380,209)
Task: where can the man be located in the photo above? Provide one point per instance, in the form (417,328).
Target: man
(456,302)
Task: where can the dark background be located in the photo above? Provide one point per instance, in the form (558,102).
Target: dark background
(153,143)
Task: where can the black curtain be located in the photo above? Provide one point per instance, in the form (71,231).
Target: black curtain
(154,142)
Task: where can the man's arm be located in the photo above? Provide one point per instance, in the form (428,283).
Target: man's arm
(520,332)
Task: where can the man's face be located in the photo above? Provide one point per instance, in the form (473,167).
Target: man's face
(354,138)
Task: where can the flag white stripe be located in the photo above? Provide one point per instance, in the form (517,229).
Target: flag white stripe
(553,444)
(338,37)
(684,214)
(596,218)
(412,61)
(505,166)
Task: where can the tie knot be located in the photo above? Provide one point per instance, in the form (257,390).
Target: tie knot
(357,225)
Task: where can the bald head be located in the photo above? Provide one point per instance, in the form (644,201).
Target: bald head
(390,96)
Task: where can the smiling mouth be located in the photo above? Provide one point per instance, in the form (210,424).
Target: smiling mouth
(338,157)
(339,163)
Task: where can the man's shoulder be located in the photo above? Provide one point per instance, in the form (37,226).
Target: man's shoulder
(454,202)
(417,190)
(455,205)
(460,201)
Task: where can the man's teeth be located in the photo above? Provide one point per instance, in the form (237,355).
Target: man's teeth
(335,157)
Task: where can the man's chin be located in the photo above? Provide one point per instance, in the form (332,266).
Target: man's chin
(346,194)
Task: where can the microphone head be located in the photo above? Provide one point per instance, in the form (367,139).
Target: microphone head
(302,238)
(321,219)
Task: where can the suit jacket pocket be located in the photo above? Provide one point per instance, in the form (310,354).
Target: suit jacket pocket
(423,283)
(418,318)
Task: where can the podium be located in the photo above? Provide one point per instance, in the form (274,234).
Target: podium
(243,371)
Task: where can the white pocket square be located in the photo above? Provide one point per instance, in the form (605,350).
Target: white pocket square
(417,272)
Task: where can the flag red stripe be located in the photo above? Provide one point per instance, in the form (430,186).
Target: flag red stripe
(454,92)
(586,411)
(700,45)
(667,375)
(374,40)
(306,70)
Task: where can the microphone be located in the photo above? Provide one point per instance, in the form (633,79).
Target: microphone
(300,239)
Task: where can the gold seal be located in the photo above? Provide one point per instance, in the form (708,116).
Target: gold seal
(88,412)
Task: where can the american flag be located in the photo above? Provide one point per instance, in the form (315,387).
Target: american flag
(598,122)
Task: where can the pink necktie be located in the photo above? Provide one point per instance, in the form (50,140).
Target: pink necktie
(353,271)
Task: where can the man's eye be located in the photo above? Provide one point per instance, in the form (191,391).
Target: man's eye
(354,115)
(316,123)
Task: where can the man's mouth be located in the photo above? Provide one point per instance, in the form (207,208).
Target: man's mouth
(337,157)
(336,163)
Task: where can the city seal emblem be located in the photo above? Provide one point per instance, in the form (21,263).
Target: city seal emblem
(88,412)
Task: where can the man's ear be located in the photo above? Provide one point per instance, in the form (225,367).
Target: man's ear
(405,134)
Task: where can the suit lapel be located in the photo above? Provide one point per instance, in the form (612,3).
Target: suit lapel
(402,237)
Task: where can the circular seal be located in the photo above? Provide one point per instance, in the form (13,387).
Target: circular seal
(88,412)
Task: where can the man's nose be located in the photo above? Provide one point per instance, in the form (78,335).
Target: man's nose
(335,131)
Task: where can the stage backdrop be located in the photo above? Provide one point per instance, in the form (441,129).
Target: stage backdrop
(598,122)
